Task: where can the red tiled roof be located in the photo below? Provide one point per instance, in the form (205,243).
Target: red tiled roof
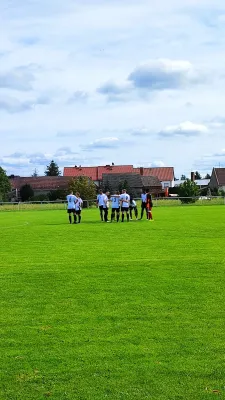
(114,169)
(95,173)
(220,176)
(162,173)
(90,172)
(41,182)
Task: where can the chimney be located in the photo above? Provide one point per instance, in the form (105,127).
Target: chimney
(141,170)
(192,176)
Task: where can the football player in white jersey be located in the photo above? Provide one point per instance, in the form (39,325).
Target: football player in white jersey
(78,208)
(125,203)
(115,199)
(143,203)
(100,203)
(106,206)
(71,201)
(133,207)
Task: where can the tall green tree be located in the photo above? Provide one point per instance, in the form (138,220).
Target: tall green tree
(183,177)
(188,190)
(26,192)
(85,186)
(198,175)
(208,176)
(52,169)
(5,186)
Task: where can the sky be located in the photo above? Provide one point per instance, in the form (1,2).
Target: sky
(91,82)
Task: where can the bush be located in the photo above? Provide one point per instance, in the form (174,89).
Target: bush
(57,195)
(174,190)
(40,197)
(187,191)
(26,192)
(84,186)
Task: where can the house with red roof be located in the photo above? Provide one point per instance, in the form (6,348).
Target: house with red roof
(39,184)
(95,173)
(164,174)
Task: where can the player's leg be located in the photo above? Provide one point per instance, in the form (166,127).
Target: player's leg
(113,214)
(130,211)
(74,217)
(122,214)
(142,209)
(101,212)
(128,217)
(136,212)
(117,215)
(105,214)
(79,216)
(147,211)
(150,213)
(70,218)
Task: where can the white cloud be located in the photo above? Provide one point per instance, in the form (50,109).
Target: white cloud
(153,76)
(185,129)
(103,143)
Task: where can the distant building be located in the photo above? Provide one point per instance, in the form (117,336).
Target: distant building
(135,182)
(39,184)
(164,174)
(217,180)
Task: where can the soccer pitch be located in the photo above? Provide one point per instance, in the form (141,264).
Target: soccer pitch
(113,311)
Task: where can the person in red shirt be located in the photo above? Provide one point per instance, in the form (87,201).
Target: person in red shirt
(149,205)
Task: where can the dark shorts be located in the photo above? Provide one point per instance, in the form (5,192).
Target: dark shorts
(101,208)
(78,212)
(71,210)
(143,205)
(126,209)
(116,209)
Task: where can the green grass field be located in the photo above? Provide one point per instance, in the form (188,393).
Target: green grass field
(113,311)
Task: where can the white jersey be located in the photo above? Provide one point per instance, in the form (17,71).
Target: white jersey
(115,201)
(125,198)
(78,205)
(100,199)
(71,200)
(144,197)
(106,201)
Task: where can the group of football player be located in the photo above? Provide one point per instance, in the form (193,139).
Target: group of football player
(124,204)
(120,204)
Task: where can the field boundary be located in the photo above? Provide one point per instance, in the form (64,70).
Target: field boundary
(158,202)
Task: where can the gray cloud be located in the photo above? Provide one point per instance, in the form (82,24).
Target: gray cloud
(155,75)
(19,79)
(102,143)
(185,129)
(78,97)
(163,74)
(12,105)
(141,132)
(111,88)
(24,163)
